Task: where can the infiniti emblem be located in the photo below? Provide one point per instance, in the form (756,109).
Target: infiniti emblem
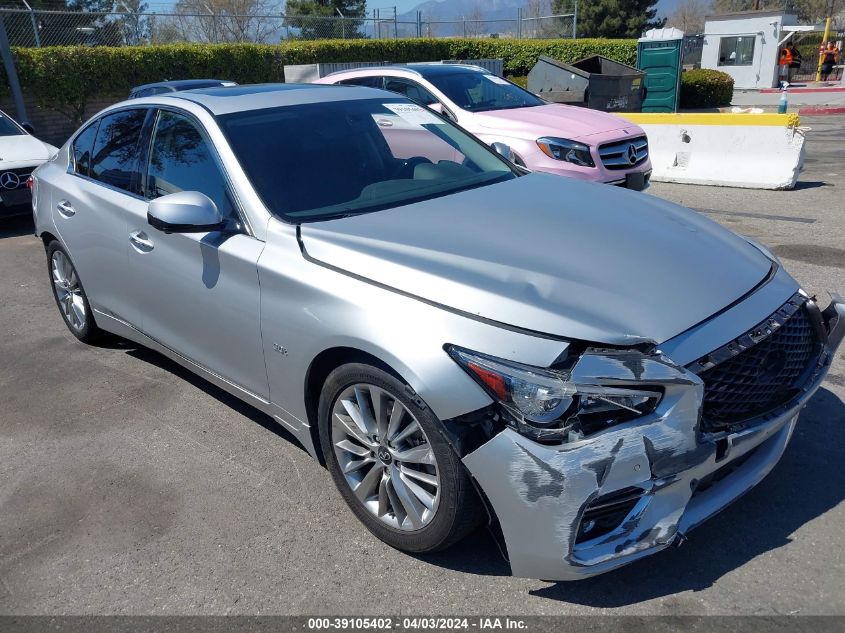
(771,365)
(632,154)
(384,455)
(9,180)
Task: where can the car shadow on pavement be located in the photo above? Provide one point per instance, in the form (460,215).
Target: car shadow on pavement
(16,226)
(807,483)
(239,406)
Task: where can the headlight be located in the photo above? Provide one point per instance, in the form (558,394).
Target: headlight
(566,150)
(546,404)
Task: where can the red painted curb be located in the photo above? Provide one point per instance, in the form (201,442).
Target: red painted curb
(818,111)
(803,91)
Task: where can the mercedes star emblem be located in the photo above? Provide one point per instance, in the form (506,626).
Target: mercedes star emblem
(9,180)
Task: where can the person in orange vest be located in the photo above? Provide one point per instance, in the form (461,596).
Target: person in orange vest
(829,58)
(785,63)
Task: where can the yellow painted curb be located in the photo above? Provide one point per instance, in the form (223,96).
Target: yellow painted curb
(726,118)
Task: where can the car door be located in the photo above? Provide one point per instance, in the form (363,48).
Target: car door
(197,293)
(91,201)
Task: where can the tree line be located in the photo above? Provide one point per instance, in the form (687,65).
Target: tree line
(690,14)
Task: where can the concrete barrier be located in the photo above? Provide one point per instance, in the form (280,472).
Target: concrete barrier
(753,151)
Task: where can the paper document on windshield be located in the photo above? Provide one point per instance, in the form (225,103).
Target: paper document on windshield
(413,113)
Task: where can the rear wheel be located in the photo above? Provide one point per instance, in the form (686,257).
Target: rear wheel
(390,462)
(70,295)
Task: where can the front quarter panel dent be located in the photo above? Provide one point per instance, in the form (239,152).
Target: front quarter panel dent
(547,488)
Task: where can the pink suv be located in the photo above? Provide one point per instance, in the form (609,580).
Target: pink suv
(548,137)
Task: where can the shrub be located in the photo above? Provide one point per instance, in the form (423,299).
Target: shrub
(65,78)
(703,88)
(519,55)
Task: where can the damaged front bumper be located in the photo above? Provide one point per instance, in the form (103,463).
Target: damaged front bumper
(672,475)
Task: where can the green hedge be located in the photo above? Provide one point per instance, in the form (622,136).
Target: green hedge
(703,88)
(519,55)
(67,77)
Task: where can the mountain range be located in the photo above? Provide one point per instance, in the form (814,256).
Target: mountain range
(454,9)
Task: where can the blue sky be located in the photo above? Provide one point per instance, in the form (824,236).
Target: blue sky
(665,6)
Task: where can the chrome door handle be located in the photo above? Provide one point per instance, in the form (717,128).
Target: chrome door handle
(66,209)
(139,241)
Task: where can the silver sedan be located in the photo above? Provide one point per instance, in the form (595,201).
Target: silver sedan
(457,339)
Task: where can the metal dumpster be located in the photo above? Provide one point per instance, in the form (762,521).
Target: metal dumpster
(595,82)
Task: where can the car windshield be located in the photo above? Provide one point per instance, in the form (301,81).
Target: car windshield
(478,91)
(9,127)
(319,161)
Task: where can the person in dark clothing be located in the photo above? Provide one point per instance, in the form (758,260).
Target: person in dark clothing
(829,58)
(796,61)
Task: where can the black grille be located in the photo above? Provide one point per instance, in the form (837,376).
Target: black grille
(22,173)
(762,377)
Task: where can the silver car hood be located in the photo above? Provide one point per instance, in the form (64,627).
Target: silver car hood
(549,254)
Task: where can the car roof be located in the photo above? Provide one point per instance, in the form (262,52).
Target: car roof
(436,69)
(422,69)
(182,84)
(262,96)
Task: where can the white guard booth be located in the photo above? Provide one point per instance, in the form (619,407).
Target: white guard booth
(745,45)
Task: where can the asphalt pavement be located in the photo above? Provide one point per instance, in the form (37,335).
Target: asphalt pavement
(129,486)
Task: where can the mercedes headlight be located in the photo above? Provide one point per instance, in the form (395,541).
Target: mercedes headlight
(566,150)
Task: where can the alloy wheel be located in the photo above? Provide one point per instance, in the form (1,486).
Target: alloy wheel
(68,291)
(385,457)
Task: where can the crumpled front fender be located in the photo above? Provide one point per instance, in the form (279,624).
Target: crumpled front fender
(681,474)
(540,492)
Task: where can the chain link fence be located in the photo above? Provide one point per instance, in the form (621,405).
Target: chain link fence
(195,22)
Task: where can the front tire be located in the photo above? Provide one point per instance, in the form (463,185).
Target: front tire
(391,463)
(70,295)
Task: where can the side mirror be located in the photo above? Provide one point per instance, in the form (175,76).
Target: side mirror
(184,212)
(26,125)
(503,150)
(439,108)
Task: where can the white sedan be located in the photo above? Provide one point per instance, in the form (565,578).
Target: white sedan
(20,154)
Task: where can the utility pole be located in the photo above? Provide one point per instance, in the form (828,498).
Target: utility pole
(34,24)
(825,38)
(213,22)
(342,22)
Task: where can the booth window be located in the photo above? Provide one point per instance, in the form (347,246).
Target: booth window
(736,51)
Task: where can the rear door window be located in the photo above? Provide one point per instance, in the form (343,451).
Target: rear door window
(81,149)
(114,160)
(369,82)
(410,89)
